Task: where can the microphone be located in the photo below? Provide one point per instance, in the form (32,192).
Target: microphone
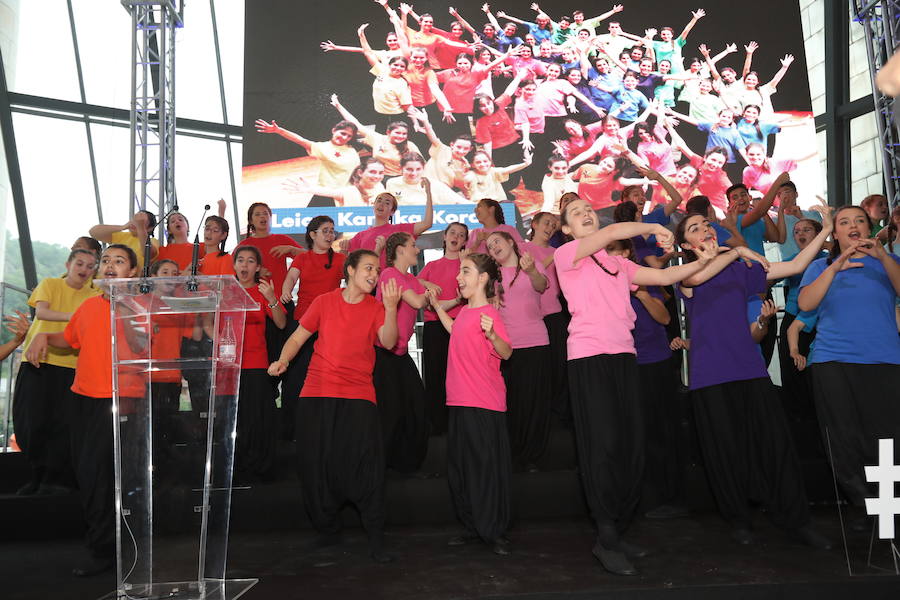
(192,282)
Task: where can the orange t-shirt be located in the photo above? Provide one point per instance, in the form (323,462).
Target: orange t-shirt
(89,331)
(213,264)
(180,253)
(165,342)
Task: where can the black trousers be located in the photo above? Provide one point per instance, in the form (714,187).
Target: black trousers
(42,401)
(197,379)
(92,452)
(527,376)
(257,430)
(478,470)
(292,384)
(435,342)
(401,408)
(165,399)
(340,459)
(534,173)
(661,407)
(857,405)
(609,434)
(748,452)
(558,330)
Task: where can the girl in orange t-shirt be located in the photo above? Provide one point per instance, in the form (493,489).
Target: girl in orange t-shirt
(91,417)
(339,448)
(215,260)
(178,249)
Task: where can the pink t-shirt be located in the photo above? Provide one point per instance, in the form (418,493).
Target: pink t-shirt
(366,239)
(475,246)
(443,272)
(473,366)
(550,298)
(600,303)
(532,112)
(762,178)
(551,96)
(521,309)
(406,314)
(659,156)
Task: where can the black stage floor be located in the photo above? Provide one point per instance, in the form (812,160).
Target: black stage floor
(691,557)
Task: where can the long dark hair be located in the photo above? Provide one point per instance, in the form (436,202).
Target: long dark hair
(484,263)
(403,147)
(680,231)
(313,225)
(625,212)
(254,206)
(132,255)
(759,133)
(537,219)
(223,225)
(394,241)
(169,236)
(498,210)
(515,248)
(255,251)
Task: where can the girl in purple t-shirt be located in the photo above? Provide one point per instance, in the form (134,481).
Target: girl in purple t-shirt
(478,458)
(439,276)
(743,434)
(602,370)
(398,388)
(527,372)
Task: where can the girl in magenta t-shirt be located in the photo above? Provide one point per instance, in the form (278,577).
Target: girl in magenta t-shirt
(602,369)
(490,214)
(439,276)
(398,386)
(527,372)
(478,459)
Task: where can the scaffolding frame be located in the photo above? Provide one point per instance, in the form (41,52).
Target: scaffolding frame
(152,160)
(879,19)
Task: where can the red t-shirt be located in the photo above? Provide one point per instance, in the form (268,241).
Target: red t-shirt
(497,128)
(315,279)
(712,184)
(180,253)
(406,314)
(255,355)
(459,88)
(213,264)
(366,239)
(277,266)
(89,331)
(596,187)
(443,272)
(344,353)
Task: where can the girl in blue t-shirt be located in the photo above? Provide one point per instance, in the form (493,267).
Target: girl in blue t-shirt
(856,358)
(740,423)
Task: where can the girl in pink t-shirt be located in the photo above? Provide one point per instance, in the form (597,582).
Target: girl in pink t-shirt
(603,371)
(384,207)
(527,372)
(478,459)
(398,386)
(490,214)
(439,276)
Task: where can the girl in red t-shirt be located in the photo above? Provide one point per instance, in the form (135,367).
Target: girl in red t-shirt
(273,247)
(339,448)
(439,276)
(478,456)
(398,386)
(496,131)
(320,270)
(257,430)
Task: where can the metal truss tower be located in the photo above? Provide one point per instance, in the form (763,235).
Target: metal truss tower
(152,185)
(879,19)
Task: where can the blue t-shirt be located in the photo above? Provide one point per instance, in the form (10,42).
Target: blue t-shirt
(754,234)
(636,101)
(750,136)
(789,247)
(725,137)
(792,287)
(856,317)
(539,34)
(603,98)
(722,234)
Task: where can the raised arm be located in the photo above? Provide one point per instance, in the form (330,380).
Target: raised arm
(273,127)
(695,16)
(762,207)
(675,198)
(785,65)
(425,224)
(348,116)
(710,63)
(329,46)
(601,238)
(679,143)
(486,8)
(748,58)
(465,24)
(780,270)
(364,44)
(504,15)
(671,275)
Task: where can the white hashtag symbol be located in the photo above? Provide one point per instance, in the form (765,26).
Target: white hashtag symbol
(885,474)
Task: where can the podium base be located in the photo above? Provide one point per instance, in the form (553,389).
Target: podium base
(228,589)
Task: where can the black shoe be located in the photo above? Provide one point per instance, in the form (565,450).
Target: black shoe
(742,536)
(94,566)
(812,538)
(53,489)
(633,550)
(462,540)
(29,489)
(613,561)
(501,548)
(667,511)
(382,557)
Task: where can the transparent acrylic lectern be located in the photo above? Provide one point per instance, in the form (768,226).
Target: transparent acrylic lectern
(174,458)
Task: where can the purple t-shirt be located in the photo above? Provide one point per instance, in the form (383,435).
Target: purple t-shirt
(650,338)
(721,347)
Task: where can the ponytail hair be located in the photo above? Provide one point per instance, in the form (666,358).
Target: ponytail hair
(254,206)
(498,210)
(394,241)
(223,225)
(537,219)
(313,225)
(485,264)
(516,250)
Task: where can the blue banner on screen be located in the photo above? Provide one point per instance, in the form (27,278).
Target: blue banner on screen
(353,219)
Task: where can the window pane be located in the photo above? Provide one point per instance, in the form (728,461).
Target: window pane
(865,158)
(860,79)
(812,17)
(111,153)
(44,58)
(104,44)
(196,79)
(59,190)
(230,18)
(821,142)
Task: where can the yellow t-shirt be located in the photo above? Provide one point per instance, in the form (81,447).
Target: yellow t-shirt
(443,167)
(389,94)
(62,298)
(385,152)
(487,185)
(129,239)
(336,163)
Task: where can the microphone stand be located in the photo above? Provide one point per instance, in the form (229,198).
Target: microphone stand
(191,285)
(146,286)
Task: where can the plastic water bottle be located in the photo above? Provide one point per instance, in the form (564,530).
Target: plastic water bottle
(228,343)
